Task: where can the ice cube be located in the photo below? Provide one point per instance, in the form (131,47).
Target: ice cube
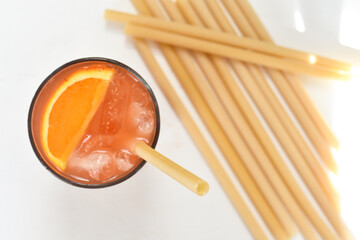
(140,95)
(145,121)
(88,143)
(143,117)
(98,164)
(124,160)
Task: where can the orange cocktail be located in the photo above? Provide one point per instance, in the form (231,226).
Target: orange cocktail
(86,117)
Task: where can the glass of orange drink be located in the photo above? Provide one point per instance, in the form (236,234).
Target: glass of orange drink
(86,117)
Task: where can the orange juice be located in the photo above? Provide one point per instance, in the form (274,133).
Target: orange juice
(100,145)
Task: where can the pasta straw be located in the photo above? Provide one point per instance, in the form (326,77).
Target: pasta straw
(231,52)
(291,149)
(246,29)
(227,39)
(199,139)
(311,110)
(219,136)
(170,168)
(277,117)
(196,134)
(252,142)
(268,168)
(316,220)
(230,129)
(286,141)
(287,91)
(143,32)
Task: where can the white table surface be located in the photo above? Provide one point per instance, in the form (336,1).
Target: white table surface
(38,36)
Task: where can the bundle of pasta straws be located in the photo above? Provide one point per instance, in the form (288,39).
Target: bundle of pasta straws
(224,59)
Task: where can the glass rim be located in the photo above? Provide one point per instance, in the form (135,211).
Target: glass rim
(30,117)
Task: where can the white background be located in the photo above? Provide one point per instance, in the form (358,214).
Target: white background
(38,36)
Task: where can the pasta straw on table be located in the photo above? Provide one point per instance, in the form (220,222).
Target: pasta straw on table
(219,136)
(248,29)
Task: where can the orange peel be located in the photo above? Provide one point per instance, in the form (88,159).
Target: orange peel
(70,110)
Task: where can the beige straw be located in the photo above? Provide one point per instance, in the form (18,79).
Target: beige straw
(295,155)
(291,149)
(312,111)
(264,35)
(295,149)
(231,52)
(233,111)
(219,136)
(197,136)
(230,129)
(277,117)
(264,161)
(199,139)
(280,165)
(173,170)
(247,29)
(227,39)
(289,178)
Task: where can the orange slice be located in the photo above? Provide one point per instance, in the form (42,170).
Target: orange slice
(70,110)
